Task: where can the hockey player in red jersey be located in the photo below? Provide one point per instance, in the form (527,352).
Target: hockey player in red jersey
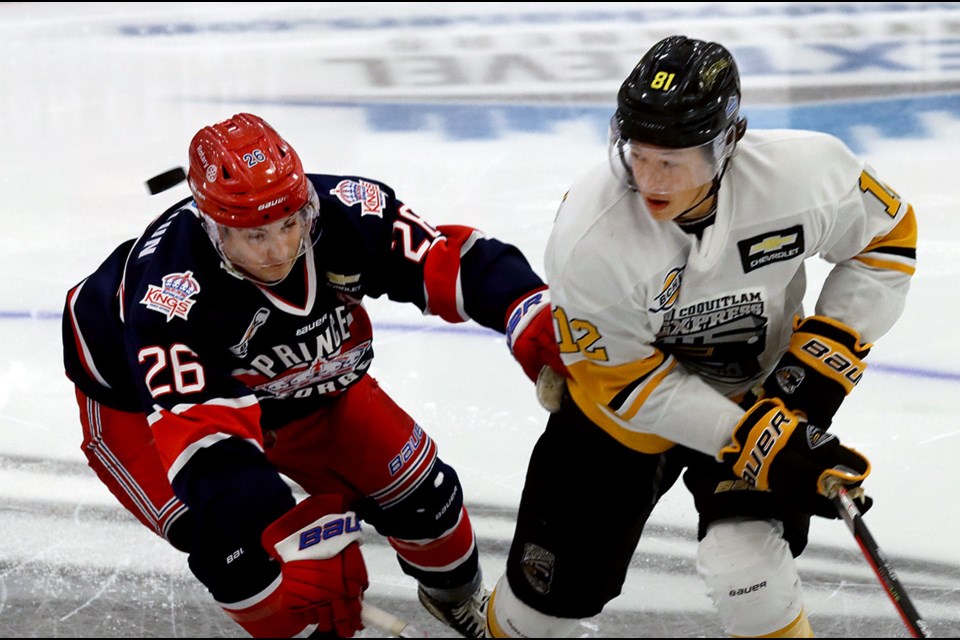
(228,347)
(676,272)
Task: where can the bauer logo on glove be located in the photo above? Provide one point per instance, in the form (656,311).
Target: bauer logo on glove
(322,570)
(322,538)
(822,366)
(775,449)
(330,527)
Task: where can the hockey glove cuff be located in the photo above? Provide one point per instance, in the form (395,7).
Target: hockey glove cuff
(324,575)
(775,449)
(530,335)
(820,368)
(268,618)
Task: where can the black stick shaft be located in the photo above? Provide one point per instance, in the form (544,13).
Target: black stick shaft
(880,565)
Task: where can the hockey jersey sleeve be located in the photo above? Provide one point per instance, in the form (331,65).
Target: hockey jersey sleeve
(468,276)
(872,240)
(377,245)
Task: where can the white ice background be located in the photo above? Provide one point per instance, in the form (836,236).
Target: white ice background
(476,113)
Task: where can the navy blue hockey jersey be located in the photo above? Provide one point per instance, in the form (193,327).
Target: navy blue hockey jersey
(161,327)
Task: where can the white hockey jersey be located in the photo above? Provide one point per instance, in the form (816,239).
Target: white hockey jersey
(660,329)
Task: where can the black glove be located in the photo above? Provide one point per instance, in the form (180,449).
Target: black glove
(775,449)
(822,365)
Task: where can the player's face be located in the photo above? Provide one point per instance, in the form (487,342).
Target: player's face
(670,179)
(267,252)
(666,207)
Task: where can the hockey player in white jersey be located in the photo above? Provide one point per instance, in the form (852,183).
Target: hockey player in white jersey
(676,272)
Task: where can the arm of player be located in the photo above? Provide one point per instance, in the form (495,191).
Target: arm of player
(872,241)
(469,276)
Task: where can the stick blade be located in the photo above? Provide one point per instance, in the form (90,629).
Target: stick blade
(166,180)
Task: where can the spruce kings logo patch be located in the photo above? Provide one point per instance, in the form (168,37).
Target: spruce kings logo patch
(173,297)
(371,199)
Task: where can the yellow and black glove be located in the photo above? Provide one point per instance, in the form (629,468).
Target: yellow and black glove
(776,449)
(821,367)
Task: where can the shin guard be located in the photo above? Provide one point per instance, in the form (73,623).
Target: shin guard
(752,578)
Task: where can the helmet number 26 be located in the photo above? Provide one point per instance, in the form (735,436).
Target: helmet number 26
(254,158)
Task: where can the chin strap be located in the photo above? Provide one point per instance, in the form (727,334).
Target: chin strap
(714,189)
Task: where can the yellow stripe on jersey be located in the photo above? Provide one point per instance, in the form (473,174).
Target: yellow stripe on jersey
(904,235)
(887,264)
(607,395)
(896,251)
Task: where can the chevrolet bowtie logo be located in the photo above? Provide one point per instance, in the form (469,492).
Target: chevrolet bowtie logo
(776,245)
(772,243)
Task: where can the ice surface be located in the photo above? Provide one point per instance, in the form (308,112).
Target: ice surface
(481,113)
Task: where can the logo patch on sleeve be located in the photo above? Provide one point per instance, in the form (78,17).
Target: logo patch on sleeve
(771,247)
(371,199)
(173,297)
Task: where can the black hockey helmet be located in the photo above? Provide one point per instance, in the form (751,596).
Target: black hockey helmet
(683,93)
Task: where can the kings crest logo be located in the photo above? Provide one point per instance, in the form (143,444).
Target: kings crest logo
(367,194)
(774,246)
(173,297)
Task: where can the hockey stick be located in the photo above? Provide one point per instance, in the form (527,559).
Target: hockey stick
(385,621)
(375,617)
(878,562)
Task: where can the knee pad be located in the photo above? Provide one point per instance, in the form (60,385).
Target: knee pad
(509,617)
(431,532)
(430,511)
(182,532)
(751,577)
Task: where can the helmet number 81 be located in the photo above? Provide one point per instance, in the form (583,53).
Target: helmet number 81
(254,158)
(662,80)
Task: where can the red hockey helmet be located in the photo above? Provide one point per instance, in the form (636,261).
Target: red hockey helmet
(243,174)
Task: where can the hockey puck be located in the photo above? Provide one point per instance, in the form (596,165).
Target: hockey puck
(166,180)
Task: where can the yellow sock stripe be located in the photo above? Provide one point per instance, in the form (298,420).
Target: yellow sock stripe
(799,628)
(494,630)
